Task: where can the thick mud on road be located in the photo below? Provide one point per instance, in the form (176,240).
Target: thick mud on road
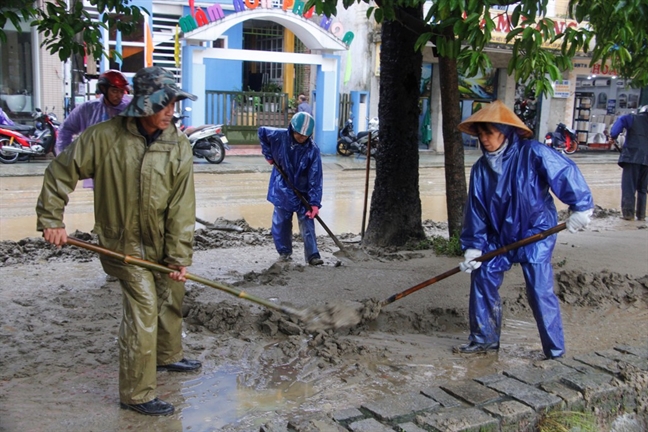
(59,326)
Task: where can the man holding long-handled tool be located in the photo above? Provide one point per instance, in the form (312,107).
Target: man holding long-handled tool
(509,199)
(297,176)
(144,208)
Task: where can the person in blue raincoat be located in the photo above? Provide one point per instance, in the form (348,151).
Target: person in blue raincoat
(295,152)
(508,200)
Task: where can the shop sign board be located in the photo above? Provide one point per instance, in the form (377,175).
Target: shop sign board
(611,106)
(213,13)
(584,68)
(503,27)
(561,89)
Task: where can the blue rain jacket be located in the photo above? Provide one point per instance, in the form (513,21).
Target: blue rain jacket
(301,163)
(502,209)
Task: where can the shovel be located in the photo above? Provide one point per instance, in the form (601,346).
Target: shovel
(525,241)
(164,269)
(308,206)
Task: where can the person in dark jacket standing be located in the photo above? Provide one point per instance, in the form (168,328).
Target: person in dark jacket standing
(303,105)
(295,152)
(509,199)
(145,207)
(634,161)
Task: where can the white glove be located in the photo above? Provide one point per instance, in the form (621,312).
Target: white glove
(469,265)
(579,220)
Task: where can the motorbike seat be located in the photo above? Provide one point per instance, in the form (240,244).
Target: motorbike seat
(192,129)
(362,134)
(24,129)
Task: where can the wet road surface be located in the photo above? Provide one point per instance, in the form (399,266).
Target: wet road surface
(237,189)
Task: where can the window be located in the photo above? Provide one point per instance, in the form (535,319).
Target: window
(16,69)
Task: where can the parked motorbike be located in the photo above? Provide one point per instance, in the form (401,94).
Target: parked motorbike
(562,139)
(526,111)
(349,143)
(207,141)
(20,142)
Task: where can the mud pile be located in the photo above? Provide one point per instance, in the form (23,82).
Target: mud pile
(600,289)
(243,235)
(35,249)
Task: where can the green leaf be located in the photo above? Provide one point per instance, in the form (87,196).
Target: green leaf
(378,15)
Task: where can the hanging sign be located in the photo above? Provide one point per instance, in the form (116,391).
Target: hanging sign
(561,89)
(215,13)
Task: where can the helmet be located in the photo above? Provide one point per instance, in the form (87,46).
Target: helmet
(303,123)
(112,78)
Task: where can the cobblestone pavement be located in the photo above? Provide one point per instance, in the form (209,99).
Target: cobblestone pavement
(608,383)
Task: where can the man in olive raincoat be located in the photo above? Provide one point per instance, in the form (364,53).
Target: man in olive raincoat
(295,152)
(144,207)
(508,200)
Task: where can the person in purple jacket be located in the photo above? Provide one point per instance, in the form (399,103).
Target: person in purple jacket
(114,88)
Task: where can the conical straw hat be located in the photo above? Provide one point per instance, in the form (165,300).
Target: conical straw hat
(495,112)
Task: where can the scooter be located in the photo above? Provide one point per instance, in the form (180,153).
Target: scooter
(562,139)
(207,141)
(349,143)
(526,111)
(19,142)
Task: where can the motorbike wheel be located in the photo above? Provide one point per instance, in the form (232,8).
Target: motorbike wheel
(219,155)
(571,147)
(343,148)
(7,157)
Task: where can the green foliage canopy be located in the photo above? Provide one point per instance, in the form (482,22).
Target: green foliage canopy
(606,31)
(70,30)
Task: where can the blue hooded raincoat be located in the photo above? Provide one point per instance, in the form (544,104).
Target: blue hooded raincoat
(507,207)
(303,166)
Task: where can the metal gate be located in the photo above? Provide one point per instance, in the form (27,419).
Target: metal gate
(241,113)
(345,109)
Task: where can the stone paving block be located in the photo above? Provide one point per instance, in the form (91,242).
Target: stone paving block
(598,389)
(598,362)
(636,361)
(472,392)
(573,399)
(580,367)
(638,351)
(513,415)
(530,395)
(446,400)
(409,427)
(545,371)
(459,420)
(274,427)
(489,379)
(401,408)
(347,416)
(320,424)
(369,425)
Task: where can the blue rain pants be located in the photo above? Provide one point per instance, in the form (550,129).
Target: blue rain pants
(485,307)
(282,232)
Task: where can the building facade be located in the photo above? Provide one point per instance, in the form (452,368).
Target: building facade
(219,49)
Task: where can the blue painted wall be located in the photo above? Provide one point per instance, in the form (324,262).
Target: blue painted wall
(226,75)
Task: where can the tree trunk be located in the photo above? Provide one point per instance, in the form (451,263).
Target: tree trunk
(77,68)
(455,174)
(395,213)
